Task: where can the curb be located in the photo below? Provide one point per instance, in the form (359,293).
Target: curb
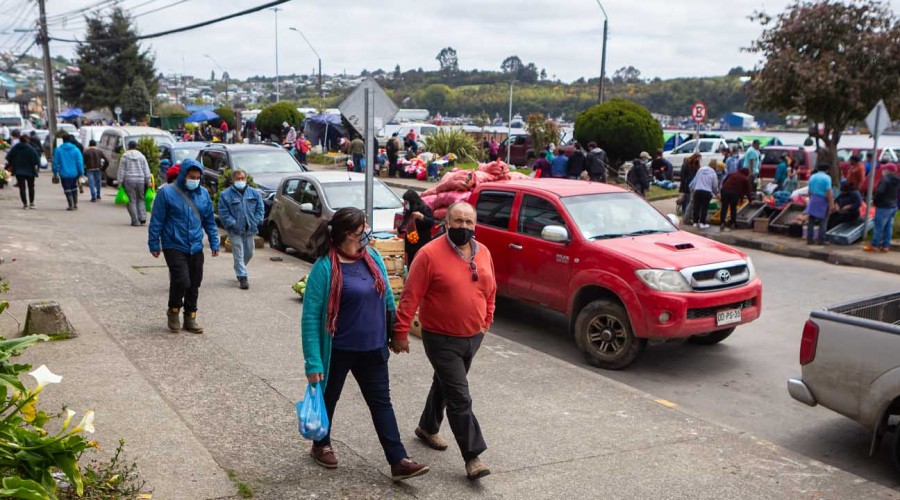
(807,253)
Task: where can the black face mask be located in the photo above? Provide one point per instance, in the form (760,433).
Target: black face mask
(460,235)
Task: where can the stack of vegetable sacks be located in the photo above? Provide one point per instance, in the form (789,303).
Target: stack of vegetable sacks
(391,250)
(457,185)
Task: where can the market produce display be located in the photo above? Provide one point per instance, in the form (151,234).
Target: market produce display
(457,185)
(300,286)
(391,250)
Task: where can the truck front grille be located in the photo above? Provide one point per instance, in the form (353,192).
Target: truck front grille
(706,312)
(712,277)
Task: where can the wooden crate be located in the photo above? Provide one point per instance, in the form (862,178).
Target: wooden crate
(761,225)
(394,264)
(392,246)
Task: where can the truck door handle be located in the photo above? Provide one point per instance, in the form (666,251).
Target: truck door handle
(515,247)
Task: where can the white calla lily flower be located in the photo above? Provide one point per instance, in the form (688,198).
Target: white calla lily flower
(69,414)
(86,424)
(44,376)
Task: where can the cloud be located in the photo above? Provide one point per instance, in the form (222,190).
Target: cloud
(661,38)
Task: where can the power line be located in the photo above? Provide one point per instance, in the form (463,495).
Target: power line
(182,29)
(17,21)
(80,11)
(158,9)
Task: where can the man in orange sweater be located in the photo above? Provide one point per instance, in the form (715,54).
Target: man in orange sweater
(451,284)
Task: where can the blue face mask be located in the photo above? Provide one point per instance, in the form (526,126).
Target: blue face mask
(240,185)
(192,184)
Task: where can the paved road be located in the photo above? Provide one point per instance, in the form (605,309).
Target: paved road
(741,382)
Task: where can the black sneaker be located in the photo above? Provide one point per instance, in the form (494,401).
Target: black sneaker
(244,284)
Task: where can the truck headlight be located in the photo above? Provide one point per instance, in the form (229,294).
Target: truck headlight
(664,280)
(751,269)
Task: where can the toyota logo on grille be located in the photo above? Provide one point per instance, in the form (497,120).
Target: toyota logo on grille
(724,276)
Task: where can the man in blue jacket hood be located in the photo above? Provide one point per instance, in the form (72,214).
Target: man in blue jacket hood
(181,213)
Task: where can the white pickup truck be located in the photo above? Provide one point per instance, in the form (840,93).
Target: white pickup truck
(708,149)
(850,358)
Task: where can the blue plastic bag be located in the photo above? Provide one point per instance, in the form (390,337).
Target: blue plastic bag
(313,419)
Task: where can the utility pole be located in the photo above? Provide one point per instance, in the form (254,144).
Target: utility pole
(277,86)
(44,40)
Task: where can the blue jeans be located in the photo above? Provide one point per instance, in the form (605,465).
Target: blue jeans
(810,229)
(95,178)
(242,247)
(432,171)
(884,227)
(370,369)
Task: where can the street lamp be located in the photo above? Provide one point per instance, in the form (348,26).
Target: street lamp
(317,56)
(277,86)
(603,59)
(509,123)
(224,74)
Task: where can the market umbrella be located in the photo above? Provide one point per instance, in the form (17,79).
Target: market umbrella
(70,113)
(201,116)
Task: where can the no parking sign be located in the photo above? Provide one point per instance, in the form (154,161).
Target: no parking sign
(698,112)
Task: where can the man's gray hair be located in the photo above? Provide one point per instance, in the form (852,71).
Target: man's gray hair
(458,204)
(238,171)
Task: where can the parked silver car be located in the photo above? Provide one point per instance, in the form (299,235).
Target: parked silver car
(304,200)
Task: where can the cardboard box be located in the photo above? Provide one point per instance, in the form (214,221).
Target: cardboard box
(761,225)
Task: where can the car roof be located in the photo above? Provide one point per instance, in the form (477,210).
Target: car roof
(241,147)
(139,130)
(786,148)
(559,187)
(190,145)
(334,177)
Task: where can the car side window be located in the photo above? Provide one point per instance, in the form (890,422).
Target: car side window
(494,208)
(520,140)
(535,214)
(290,187)
(207,160)
(310,195)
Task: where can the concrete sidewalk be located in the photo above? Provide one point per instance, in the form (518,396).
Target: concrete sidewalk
(193,407)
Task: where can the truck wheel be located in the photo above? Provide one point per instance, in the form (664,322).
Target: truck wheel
(895,448)
(712,337)
(275,241)
(604,335)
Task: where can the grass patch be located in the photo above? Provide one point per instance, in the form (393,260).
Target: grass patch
(243,489)
(658,193)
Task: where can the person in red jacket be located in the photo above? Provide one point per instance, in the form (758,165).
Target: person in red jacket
(451,284)
(734,188)
(224,128)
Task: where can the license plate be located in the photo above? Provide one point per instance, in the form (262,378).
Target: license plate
(728,317)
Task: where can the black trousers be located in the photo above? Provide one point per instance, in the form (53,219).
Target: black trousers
(370,369)
(393,167)
(729,205)
(701,206)
(185,275)
(26,181)
(451,358)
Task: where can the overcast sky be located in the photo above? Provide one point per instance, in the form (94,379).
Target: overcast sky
(662,38)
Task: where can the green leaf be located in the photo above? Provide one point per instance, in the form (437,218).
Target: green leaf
(69,466)
(12,381)
(16,345)
(26,489)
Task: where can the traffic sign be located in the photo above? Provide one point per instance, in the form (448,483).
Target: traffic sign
(698,112)
(354,106)
(878,120)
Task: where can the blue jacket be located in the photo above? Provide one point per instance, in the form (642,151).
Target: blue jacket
(781,172)
(173,221)
(559,166)
(241,213)
(316,341)
(68,162)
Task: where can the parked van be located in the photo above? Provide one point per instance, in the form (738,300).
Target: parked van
(88,134)
(114,140)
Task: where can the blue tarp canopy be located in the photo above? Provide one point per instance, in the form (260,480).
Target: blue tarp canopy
(201,116)
(70,113)
(324,129)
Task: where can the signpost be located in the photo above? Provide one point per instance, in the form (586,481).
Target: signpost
(367,109)
(878,121)
(118,112)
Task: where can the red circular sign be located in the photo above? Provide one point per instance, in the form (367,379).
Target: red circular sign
(698,112)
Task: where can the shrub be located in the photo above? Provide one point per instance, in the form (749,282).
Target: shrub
(622,128)
(226,114)
(269,120)
(172,111)
(543,131)
(224,183)
(453,141)
(150,150)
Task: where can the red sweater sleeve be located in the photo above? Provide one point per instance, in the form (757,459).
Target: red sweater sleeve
(491,298)
(415,288)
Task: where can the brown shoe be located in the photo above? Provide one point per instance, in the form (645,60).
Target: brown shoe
(869,248)
(324,456)
(406,469)
(433,441)
(476,469)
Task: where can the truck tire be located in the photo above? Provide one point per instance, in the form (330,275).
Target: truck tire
(275,241)
(712,337)
(603,333)
(895,448)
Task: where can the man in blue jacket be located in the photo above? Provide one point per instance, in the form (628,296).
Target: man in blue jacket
(181,212)
(241,211)
(68,165)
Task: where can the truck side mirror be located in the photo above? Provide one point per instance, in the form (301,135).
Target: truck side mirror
(555,234)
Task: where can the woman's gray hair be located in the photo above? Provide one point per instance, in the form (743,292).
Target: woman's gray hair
(238,171)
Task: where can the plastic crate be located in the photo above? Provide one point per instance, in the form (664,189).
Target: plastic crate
(788,215)
(749,212)
(848,233)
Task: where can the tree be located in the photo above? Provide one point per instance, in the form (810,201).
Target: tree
(135,101)
(109,59)
(270,119)
(397,73)
(226,114)
(829,60)
(622,128)
(435,97)
(147,146)
(511,64)
(528,74)
(627,75)
(212,76)
(448,60)
(543,75)
(542,130)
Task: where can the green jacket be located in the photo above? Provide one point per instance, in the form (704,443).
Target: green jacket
(316,341)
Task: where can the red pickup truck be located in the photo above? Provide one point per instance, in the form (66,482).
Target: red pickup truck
(619,269)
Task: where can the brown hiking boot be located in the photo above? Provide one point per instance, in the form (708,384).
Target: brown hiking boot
(190,322)
(476,469)
(433,441)
(406,469)
(324,456)
(174,320)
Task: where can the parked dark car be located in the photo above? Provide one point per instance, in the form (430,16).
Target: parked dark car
(804,160)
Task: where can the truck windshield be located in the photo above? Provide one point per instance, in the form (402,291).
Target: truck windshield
(615,215)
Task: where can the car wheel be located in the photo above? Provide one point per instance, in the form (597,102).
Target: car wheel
(712,337)
(603,333)
(895,447)
(275,241)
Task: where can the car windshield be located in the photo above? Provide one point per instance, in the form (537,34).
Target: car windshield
(182,153)
(158,139)
(353,194)
(615,215)
(265,161)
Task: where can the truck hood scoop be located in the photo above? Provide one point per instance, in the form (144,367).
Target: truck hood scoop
(677,246)
(675,250)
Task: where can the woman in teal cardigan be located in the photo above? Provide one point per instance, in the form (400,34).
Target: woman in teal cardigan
(347,309)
